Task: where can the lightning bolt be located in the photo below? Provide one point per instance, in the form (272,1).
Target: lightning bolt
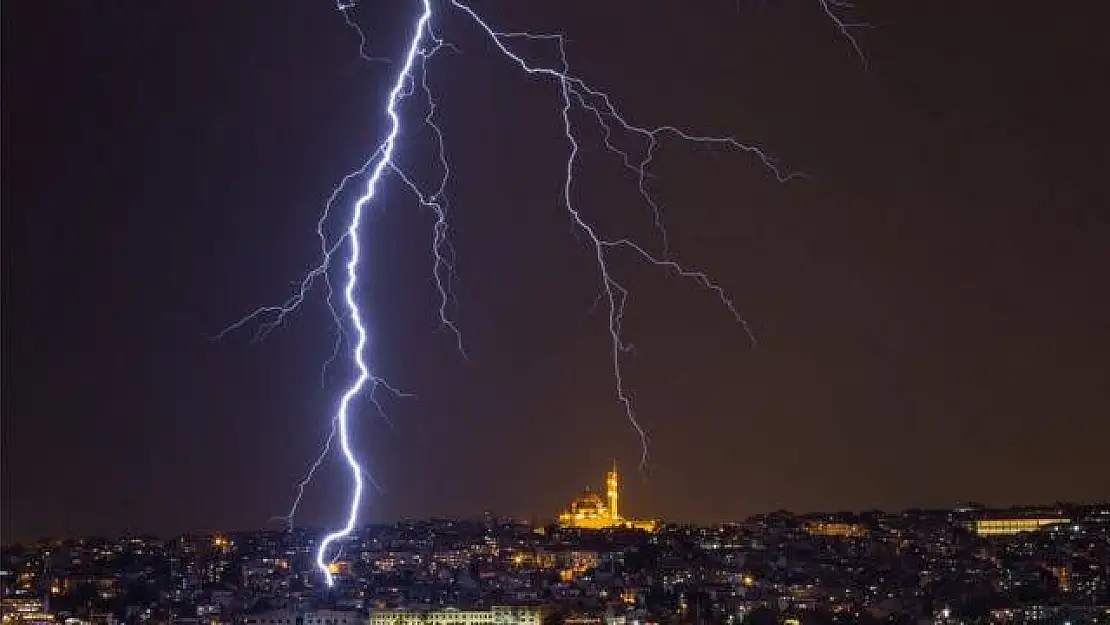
(573,91)
(573,94)
(830,7)
(383,157)
(310,474)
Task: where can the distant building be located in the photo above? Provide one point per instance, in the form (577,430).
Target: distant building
(590,511)
(311,617)
(24,611)
(497,615)
(836,530)
(1010,525)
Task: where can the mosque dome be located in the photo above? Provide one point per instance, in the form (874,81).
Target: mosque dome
(589,505)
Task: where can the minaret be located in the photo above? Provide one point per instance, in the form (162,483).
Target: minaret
(612,485)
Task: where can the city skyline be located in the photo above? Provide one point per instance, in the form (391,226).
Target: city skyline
(1039,516)
(941,566)
(929,302)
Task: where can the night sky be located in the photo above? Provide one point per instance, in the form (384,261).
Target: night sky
(931,303)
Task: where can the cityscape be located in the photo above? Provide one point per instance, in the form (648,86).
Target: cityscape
(591,566)
(565,312)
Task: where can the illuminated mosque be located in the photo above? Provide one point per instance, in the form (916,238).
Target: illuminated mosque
(590,511)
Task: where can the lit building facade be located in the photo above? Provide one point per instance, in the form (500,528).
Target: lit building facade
(24,611)
(1015,525)
(497,615)
(590,511)
(833,529)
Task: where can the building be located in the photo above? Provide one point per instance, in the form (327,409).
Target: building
(1014,525)
(314,617)
(24,611)
(497,615)
(590,511)
(832,529)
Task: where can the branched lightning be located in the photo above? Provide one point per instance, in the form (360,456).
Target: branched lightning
(384,158)
(443,254)
(574,90)
(830,7)
(310,473)
(573,94)
(344,9)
